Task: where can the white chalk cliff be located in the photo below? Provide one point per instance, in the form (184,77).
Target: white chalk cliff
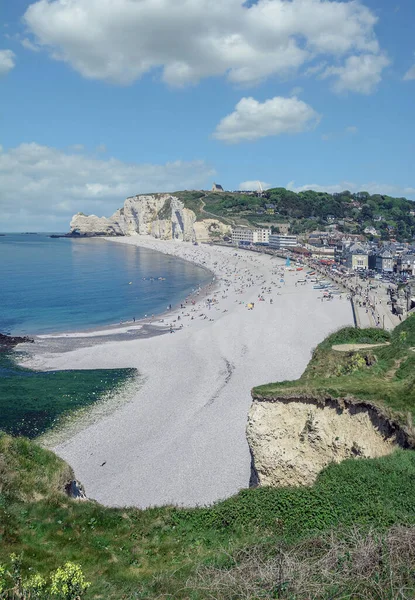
(160,215)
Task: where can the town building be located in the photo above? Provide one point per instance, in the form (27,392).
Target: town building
(216,187)
(283,228)
(405,264)
(319,251)
(357,258)
(278,241)
(384,261)
(250,236)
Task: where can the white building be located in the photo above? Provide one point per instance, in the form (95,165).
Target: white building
(278,241)
(253,236)
(261,236)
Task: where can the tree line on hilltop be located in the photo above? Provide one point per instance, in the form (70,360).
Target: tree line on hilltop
(307,210)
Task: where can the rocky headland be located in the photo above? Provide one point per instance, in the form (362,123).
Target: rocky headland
(161,216)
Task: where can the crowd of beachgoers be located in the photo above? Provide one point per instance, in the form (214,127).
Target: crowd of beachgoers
(180,437)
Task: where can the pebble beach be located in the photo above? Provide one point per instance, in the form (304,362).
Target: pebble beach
(180,437)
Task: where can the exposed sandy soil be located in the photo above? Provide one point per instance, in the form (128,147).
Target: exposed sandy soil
(293,440)
(350,347)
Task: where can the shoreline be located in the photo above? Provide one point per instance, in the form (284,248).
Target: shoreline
(131,326)
(180,439)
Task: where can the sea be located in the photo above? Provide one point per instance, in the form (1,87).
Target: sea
(68,284)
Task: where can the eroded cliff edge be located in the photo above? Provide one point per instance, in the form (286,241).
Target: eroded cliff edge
(162,216)
(293,438)
(356,399)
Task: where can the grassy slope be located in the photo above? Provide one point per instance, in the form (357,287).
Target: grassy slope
(389,382)
(157,550)
(128,553)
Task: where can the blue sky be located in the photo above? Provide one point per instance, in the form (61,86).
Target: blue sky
(102,99)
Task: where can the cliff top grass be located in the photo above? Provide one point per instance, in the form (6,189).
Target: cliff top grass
(383,375)
(162,552)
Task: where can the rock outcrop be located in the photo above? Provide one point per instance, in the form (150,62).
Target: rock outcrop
(210,229)
(7,341)
(293,439)
(160,215)
(74,489)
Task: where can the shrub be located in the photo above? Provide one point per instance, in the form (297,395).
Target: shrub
(66,583)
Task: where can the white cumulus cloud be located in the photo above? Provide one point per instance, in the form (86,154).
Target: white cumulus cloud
(253,185)
(187,40)
(42,187)
(7,61)
(360,74)
(252,120)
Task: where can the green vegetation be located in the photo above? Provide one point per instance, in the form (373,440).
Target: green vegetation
(66,583)
(192,200)
(384,375)
(161,552)
(309,210)
(31,401)
(350,535)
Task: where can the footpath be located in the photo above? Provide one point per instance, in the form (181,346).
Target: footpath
(370,300)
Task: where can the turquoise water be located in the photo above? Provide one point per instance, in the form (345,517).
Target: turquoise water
(49,285)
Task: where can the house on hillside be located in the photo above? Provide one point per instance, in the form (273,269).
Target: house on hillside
(216,187)
(283,228)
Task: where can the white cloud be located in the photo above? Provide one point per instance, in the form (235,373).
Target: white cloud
(29,45)
(360,74)
(409,75)
(296,91)
(42,187)
(101,148)
(252,120)
(192,39)
(371,187)
(253,185)
(315,69)
(77,147)
(7,61)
